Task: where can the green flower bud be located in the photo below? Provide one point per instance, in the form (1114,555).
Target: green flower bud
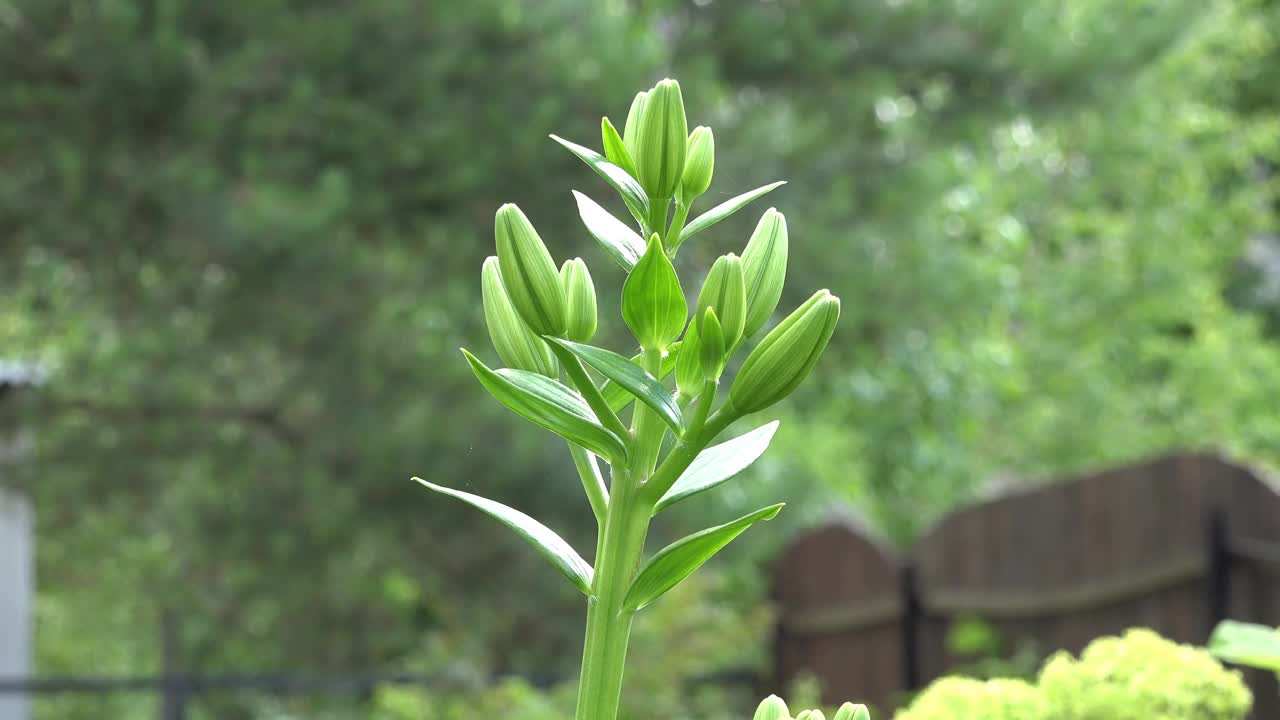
(849,711)
(516,344)
(764,266)
(699,164)
(811,715)
(725,290)
(580,296)
(773,708)
(529,274)
(631,128)
(711,346)
(663,136)
(785,356)
(689,379)
(653,304)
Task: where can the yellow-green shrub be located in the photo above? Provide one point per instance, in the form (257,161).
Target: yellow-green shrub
(959,698)
(1142,676)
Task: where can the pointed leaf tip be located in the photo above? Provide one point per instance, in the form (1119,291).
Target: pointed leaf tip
(678,560)
(560,554)
(719,463)
(725,209)
(551,405)
(629,188)
(627,375)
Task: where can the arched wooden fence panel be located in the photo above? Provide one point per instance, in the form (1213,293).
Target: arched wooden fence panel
(1174,544)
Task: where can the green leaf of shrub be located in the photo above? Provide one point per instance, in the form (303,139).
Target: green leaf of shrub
(619,241)
(725,209)
(550,404)
(619,398)
(678,560)
(552,546)
(628,376)
(719,463)
(632,194)
(1247,644)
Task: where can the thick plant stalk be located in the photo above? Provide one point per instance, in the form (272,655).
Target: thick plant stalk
(535,312)
(608,623)
(621,549)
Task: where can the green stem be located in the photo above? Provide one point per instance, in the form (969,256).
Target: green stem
(592,482)
(619,550)
(658,208)
(648,428)
(608,623)
(673,239)
(592,394)
(683,454)
(706,399)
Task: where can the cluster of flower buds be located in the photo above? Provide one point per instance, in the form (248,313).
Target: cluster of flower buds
(773,708)
(525,297)
(541,320)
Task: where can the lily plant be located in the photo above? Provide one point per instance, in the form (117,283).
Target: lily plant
(541,319)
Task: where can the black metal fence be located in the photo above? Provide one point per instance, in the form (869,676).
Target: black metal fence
(179,692)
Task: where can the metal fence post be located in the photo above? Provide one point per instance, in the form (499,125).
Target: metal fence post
(1217,568)
(174,698)
(912,615)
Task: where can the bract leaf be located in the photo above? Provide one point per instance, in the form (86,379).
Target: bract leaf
(552,546)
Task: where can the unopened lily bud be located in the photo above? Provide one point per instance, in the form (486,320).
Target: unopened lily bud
(689,379)
(811,715)
(516,344)
(764,266)
(785,356)
(529,274)
(711,346)
(699,164)
(725,290)
(662,143)
(773,708)
(653,304)
(849,711)
(631,129)
(580,298)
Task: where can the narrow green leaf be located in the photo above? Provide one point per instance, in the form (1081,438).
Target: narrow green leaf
(552,546)
(615,149)
(1247,644)
(623,244)
(725,209)
(628,376)
(653,305)
(619,398)
(678,560)
(719,463)
(550,404)
(632,194)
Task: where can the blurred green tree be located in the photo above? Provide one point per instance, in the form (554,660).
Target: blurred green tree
(1035,209)
(243,235)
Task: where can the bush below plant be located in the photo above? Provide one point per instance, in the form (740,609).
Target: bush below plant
(1137,676)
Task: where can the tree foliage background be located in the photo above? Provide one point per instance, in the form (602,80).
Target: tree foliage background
(244,238)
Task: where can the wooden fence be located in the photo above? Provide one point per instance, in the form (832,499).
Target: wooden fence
(1175,545)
